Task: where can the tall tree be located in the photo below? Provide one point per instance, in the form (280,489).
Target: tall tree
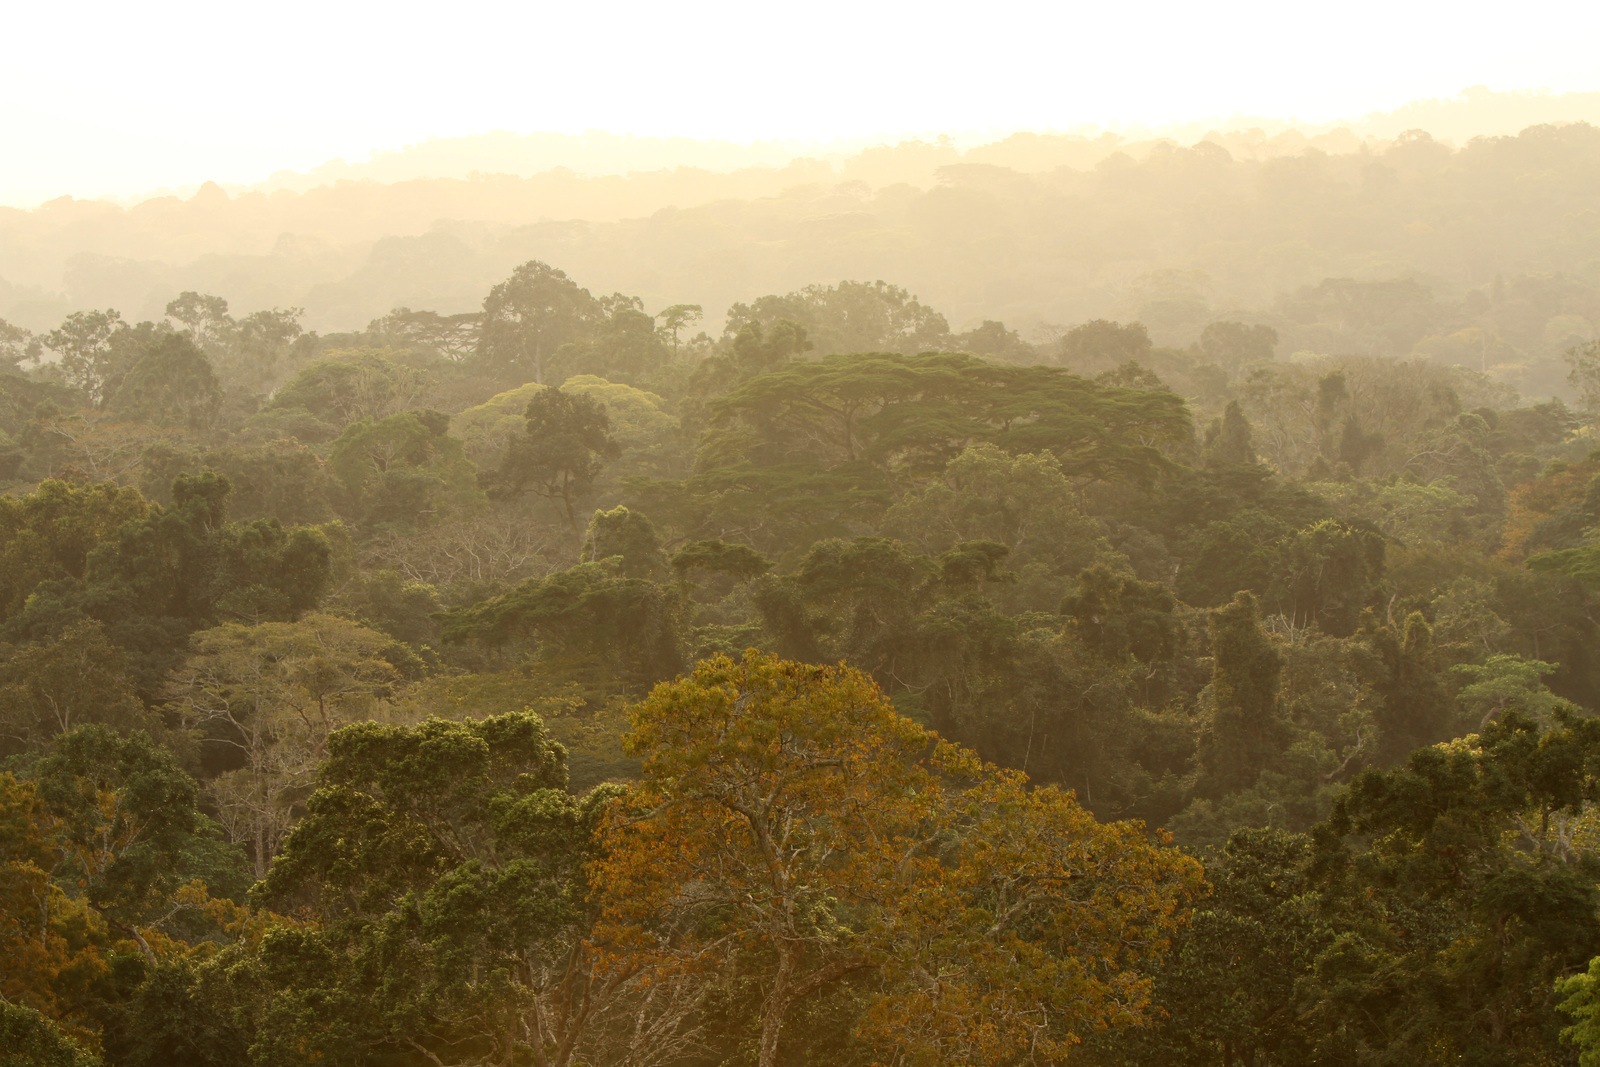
(675,318)
(562,451)
(1246,733)
(169,383)
(445,865)
(83,341)
(820,835)
(16,346)
(530,315)
(263,700)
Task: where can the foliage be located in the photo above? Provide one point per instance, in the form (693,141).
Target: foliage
(262,700)
(31,1040)
(445,866)
(562,450)
(819,834)
(529,316)
(403,470)
(612,626)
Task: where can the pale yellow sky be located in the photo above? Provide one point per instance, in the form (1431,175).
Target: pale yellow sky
(104,98)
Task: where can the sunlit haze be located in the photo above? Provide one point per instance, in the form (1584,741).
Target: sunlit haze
(119,99)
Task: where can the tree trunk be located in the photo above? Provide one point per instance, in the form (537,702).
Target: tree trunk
(776,1007)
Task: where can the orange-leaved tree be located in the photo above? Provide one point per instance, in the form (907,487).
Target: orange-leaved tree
(790,823)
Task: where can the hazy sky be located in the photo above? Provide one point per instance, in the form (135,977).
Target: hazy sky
(118,98)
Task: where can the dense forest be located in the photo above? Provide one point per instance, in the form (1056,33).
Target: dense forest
(549,678)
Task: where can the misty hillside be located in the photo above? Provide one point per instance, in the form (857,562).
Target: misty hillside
(1482,254)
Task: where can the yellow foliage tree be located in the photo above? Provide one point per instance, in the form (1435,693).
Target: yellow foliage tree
(790,821)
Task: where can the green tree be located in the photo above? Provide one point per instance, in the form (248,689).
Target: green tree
(445,865)
(562,451)
(1460,894)
(529,316)
(205,319)
(1583,373)
(622,345)
(83,342)
(132,833)
(598,623)
(1246,733)
(675,318)
(1228,442)
(349,385)
(1234,345)
(992,340)
(48,534)
(1230,990)
(267,344)
(1101,344)
(1415,707)
(1328,574)
(28,1039)
(170,383)
(629,538)
(263,701)
(1580,999)
(47,689)
(404,471)
(453,337)
(16,347)
(849,317)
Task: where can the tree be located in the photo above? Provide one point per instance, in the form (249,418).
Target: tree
(1580,995)
(170,383)
(992,340)
(627,537)
(1246,733)
(205,319)
(675,318)
(849,317)
(820,835)
(1229,989)
(48,688)
(28,1039)
(1415,708)
(404,470)
(1228,442)
(49,533)
(264,342)
(1460,891)
(1329,573)
(454,337)
(83,341)
(612,628)
(1583,374)
(264,700)
(562,451)
(1235,345)
(1102,343)
(16,346)
(530,315)
(622,345)
(913,414)
(54,944)
(180,568)
(132,833)
(351,384)
(445,866)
